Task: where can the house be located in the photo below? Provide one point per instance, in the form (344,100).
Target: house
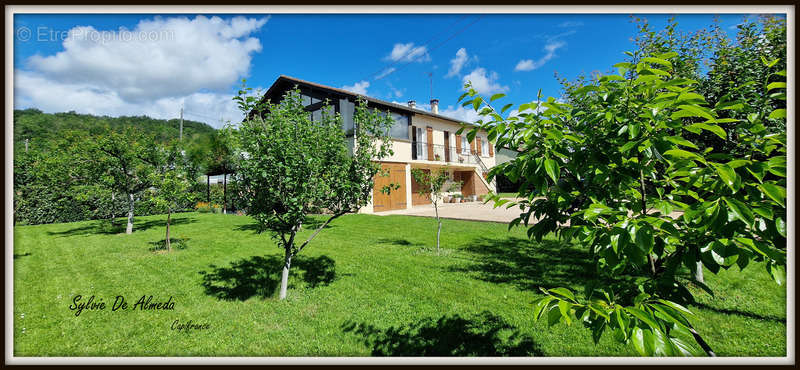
(421,139)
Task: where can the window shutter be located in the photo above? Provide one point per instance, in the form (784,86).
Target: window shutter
(458,144)
(491,149)
(430,143)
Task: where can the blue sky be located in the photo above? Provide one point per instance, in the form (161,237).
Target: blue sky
(139,64)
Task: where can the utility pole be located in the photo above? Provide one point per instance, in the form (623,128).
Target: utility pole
(180,135)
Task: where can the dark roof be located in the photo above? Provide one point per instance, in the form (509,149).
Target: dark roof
(402,107)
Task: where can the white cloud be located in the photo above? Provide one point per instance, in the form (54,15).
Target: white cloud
(524,65)
(358,87)
(483,82)
(385,73)
(571,24)
(34,90)
(150,69)
(408,53)
(466,114)
(550,52)
(458,62)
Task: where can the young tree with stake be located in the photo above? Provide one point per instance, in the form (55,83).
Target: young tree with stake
(172,184)
(432,185)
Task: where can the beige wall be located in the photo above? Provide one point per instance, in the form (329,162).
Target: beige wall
(439,126)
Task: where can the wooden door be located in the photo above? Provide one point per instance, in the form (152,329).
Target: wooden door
(416,197)
(396,199)
(447,146)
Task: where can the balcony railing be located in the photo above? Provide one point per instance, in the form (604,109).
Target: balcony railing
(440,153)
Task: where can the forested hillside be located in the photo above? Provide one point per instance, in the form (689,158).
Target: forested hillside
(63,162)
(34,125)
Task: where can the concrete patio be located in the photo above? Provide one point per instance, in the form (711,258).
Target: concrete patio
(472,211)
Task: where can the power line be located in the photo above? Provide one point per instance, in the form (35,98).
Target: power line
(445,41)
(410,51)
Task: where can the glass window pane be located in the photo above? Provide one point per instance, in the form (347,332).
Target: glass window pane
(400,128)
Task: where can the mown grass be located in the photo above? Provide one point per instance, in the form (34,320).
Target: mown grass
(368,285)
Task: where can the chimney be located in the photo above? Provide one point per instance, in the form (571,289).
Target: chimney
(435,106)
(412,104)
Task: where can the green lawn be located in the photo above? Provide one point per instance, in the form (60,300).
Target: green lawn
(368,285)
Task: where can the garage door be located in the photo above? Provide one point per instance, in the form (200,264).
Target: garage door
(397,198)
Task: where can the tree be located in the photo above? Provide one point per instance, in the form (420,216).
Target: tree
(125,162)
(615,170)
(290,166)
(432,185)
(172,184)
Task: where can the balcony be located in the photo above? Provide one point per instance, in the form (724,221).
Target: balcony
(440,153)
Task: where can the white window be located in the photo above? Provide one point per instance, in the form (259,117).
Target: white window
(484,147)
(464,145)
(422,147)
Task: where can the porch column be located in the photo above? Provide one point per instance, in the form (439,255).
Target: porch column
(408,186)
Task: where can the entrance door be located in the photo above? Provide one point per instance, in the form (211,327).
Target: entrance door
(396,199)
(416,197)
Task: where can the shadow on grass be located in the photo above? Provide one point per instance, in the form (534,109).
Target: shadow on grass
(750,315)
(398,241)
(310,223)
(527,264)
(106,227)
(176,243)
(484,334)
(21,255)
(261,276)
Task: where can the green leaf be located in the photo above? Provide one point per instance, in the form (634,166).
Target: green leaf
(728,176)
(682,154)
(644,239)
(777,193)
(778,113)
(633,129)
(540,306)
(496,96)
(551,166)
(685,311)
(780,225)
(713,128)
(476,103)
(776,85)
(505,107)
(677,140)
(692,111)
(563,292)
(564,307)
(740,210)
(778,273)
(643,316)
(662,62)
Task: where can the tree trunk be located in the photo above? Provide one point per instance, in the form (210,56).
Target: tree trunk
(112,208)
(287,262)
(169,246)
(439,231)
(698,272)
(225,194)
(129,229)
